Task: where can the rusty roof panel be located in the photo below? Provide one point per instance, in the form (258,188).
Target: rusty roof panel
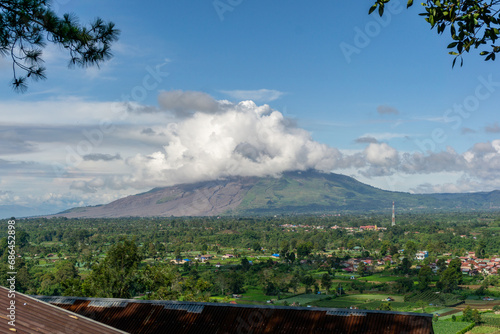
(150,317)
(106,303)
(36,316)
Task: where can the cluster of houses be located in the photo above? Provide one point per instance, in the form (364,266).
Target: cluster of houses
(471,265)
(352,264)
(292,228)
(360,228)
(201,258)
(421,255)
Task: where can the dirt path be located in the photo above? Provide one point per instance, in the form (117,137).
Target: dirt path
(479,304)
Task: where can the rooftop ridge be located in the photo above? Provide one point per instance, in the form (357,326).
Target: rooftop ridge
(185,305)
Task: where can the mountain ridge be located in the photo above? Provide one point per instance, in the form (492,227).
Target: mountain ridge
(307,192)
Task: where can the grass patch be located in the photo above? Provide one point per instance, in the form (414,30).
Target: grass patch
(379,278)
(364,301)
(449,327)
(304,299)
(443,310)
(491,319)
(431,297)
(335,303)
(255,295)
(446,317)
(484,330)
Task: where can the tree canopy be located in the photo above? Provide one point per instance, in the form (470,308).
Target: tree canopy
(27,25)
(473,24)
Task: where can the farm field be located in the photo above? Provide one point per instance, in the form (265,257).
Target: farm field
(303,300)
(484,330)
(318,254)
(446,317)
(435,298)
(380,278)
(449,327)
(491,319)
(254,295)
(363,301)
(481,304)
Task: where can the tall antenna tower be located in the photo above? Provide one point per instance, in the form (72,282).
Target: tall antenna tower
(393,215)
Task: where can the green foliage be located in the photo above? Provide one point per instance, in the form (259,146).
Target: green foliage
(424,278)
(491,319)
(90,242)
(304,248)
(326,282)
(270,289)
(63,281)
(471,315)
(358,285)
(114,277)
(471,24)
(385,307)
(451,277)
(448,327)
(195,290)
(159,276)
(236,281)
(256,246)
(307,280)
(27,25)
(361,271)
(403,285)
(431,297)
(405,266)
(245,264)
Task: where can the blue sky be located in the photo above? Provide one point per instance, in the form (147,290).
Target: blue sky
(332,88)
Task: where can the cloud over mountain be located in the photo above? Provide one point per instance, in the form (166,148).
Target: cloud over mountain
(207,139)
(244,140)
(213,139)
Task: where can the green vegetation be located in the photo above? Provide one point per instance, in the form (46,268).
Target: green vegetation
(324,261)
(448,327)
(314,192)
(303,300)
(435,298)
(27,26)
(472,24)
(484,330)
(491,319)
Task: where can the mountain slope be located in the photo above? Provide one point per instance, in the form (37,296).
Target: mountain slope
(294,192)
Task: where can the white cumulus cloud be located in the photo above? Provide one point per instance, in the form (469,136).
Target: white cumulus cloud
(241,139)
(381,154)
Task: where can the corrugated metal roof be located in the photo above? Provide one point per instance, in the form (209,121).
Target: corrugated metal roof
(36,316)
(102,303)
(149,317)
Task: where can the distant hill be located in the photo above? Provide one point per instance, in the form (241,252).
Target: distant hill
(308,192)
(8,211)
